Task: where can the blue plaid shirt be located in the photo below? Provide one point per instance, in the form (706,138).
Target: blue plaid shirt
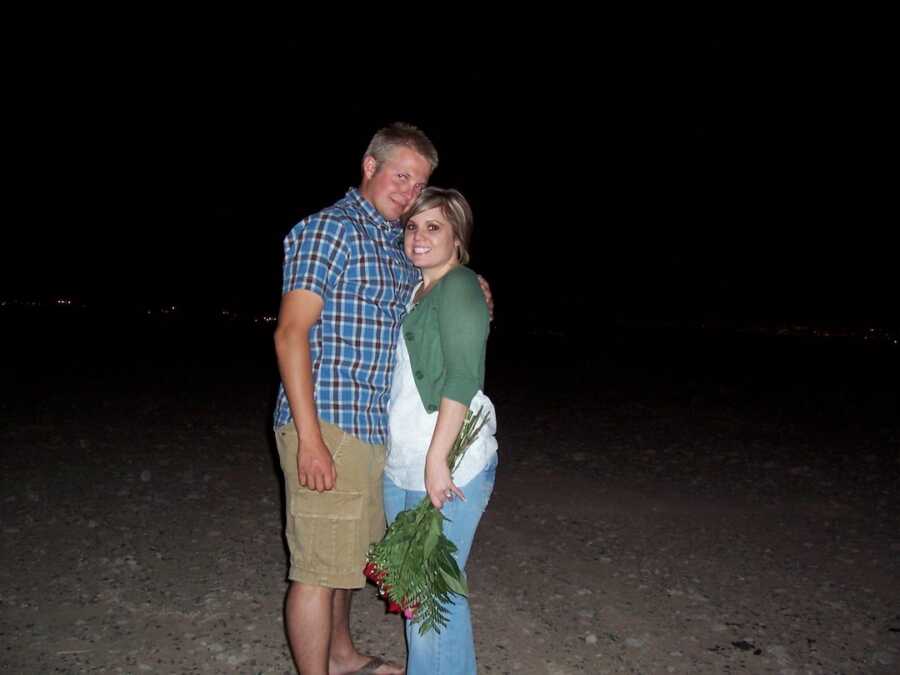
(353,258)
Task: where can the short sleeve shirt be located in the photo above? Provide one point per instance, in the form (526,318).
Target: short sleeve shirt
(353,258)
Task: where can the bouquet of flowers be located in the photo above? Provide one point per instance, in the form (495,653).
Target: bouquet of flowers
(413,566)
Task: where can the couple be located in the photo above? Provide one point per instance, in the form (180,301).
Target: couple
(381,348)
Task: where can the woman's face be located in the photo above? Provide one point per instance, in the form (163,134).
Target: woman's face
(429,240)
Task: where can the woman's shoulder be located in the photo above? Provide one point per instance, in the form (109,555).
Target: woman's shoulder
(461,278)
(460,285)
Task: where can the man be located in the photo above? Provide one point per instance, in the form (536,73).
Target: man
(346,285)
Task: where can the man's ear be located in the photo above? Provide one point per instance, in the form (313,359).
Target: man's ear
(370,166)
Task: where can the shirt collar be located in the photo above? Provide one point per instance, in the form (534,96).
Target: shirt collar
(373,214)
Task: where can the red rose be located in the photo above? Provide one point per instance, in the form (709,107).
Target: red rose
(375,575)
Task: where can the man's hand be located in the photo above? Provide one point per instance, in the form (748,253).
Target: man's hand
(300,310)
(315,467)
(488,298)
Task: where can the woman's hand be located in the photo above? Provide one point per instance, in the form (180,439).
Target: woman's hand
(439,485)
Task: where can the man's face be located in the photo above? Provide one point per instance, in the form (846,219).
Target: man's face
(394,186)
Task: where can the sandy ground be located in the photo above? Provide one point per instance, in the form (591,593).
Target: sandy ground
(645,526)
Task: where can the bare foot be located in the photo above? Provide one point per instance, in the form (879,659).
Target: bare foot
(366,665)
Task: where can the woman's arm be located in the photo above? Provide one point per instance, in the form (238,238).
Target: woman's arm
(463,324)
(438,483)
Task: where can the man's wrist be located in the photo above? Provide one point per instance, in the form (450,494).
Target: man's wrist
(308,430)
(312,441)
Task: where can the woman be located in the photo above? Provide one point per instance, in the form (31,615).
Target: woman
(438,376)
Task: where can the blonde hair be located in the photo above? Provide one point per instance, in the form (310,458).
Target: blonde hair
(386,140)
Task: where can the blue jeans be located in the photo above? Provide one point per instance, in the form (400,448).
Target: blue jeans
(453,649)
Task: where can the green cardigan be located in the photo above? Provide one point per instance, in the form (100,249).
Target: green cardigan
(446,336)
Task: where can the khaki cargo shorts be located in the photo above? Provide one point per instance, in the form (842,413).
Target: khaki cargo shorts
(329,533)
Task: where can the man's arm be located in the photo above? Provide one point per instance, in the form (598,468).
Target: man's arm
(488,296)
(300,310)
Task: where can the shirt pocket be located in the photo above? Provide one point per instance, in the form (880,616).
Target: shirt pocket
(375,277)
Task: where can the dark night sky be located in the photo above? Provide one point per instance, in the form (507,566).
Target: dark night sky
(709,172)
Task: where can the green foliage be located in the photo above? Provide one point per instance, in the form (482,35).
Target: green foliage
(420,571)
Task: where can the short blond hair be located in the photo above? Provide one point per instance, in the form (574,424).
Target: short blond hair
(386,140)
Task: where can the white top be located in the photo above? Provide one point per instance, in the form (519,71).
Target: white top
(410,429)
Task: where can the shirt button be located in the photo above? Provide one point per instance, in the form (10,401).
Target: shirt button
(418,374)
(431,408)
(410,337)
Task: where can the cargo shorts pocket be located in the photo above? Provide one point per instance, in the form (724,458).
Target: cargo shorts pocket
(327,529)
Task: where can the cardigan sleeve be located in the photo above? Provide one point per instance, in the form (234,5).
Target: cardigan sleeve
(464,323)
